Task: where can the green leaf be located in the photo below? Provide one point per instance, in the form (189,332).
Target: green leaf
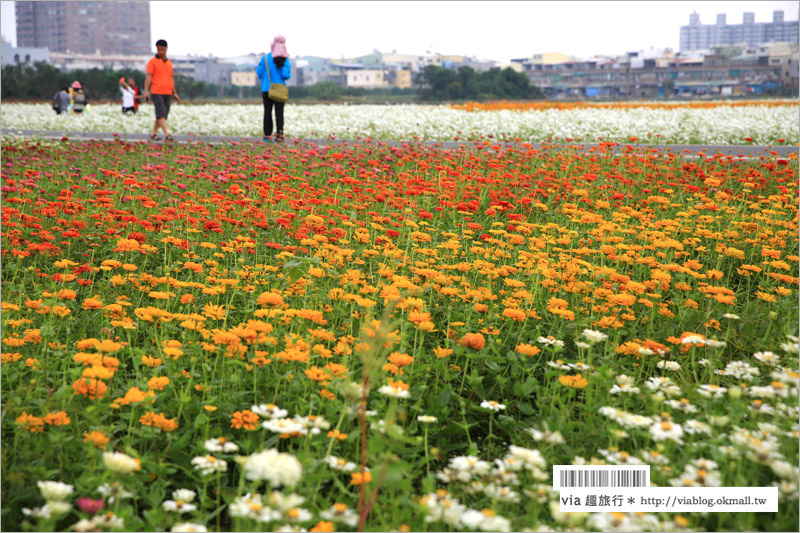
(444,396)
(200,420)
(295,274)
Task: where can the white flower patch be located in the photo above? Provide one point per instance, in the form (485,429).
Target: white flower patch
(718,125)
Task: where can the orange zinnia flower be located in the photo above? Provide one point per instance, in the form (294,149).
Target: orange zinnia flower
(34,424)
(91,388)
(336,434)
(158,383)
(244,419)
(575,382)
(527,350)
(59,418)
(357,478)
(322,527)
(473,340)
(97,438)
(441,353)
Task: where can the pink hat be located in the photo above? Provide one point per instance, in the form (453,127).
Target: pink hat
(76,85)
(278,46)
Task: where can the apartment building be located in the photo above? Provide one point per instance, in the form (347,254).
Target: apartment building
(85,27)
(697,36)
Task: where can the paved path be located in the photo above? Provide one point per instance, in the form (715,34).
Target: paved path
(691,150)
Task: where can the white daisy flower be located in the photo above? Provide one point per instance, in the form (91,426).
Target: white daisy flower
(269,410)
(768,358)
(339,512)
(284,426)
(188,527)
(252,507)
(593,337)
(394,391)
(208,464)
(492,405)
(669,365)
(682,405)
(666,430)
(220,445)
(113,491)
(340,464)
(178,506)
(273,466)
(711,391)
(54,491)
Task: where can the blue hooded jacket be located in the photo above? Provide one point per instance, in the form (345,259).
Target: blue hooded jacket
(277,75)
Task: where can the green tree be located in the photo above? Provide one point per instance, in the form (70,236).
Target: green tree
(445,84)
(326,90)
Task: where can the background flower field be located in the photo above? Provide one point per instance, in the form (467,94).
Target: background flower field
(240,337)
(763,122)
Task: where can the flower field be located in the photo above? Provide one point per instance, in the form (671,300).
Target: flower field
(248,337)
(765,124)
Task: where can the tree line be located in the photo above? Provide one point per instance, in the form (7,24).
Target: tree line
(439,83)
(41,80)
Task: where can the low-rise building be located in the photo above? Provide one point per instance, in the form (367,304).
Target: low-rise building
(72,61)
(367,78)
(23,55)
(245,78)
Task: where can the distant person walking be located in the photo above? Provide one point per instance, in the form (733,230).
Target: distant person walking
(162,83)
(79,100)
(274,67)
(61,101)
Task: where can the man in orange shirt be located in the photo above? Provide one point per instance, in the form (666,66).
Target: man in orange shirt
(160,79)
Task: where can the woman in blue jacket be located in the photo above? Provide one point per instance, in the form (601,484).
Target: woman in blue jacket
(280,70)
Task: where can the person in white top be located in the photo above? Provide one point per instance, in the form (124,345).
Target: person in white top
(128,96)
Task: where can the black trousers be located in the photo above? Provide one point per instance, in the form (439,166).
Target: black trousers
(268,115)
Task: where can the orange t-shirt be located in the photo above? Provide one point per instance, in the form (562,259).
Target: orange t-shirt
(162,76)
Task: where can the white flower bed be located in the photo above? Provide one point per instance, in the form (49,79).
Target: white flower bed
(720,125)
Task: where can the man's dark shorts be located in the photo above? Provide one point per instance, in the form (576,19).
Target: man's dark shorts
(161,103)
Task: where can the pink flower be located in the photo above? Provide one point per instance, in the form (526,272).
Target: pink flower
(89,505)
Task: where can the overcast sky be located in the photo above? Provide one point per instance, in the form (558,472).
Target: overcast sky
(488,30)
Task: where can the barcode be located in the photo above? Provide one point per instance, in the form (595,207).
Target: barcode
(603,478)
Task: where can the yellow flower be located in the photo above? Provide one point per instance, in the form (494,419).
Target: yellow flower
(216,312)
